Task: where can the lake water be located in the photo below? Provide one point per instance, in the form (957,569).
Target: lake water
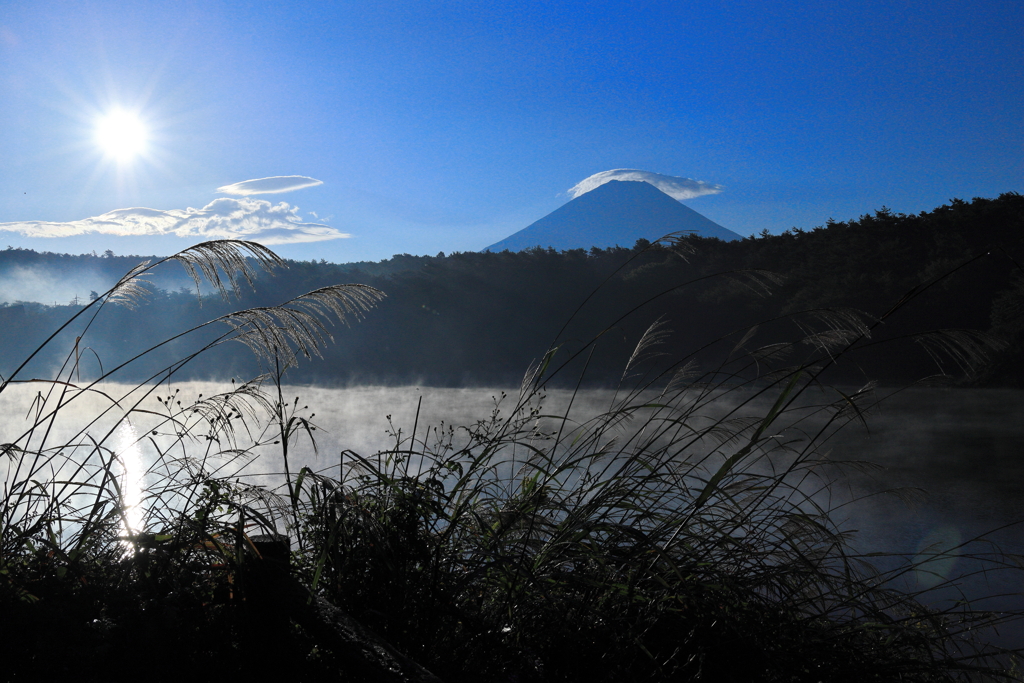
(963,447)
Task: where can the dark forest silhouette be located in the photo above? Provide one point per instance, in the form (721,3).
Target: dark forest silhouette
(482,318)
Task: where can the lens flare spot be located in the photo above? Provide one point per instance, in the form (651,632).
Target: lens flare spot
(937,555)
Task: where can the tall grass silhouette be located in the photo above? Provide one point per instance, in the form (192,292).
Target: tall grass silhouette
(687,532)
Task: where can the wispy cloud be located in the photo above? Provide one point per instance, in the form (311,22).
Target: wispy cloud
(273,185)
(678,188)
(225,218)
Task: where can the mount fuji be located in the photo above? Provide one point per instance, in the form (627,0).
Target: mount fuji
(618,212)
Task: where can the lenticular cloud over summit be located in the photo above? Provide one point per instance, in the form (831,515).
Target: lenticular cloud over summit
(224,218)
(677,188)
(273,185)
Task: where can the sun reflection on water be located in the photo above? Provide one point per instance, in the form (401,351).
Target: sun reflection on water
(132,471)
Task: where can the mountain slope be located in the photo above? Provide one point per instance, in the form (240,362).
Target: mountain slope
(616,213)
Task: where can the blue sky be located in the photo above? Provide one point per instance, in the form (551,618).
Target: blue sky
(447,126)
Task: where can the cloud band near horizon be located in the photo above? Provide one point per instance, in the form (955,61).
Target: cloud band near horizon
(256,220)
(673,186)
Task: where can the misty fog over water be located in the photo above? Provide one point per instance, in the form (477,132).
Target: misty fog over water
(964,447)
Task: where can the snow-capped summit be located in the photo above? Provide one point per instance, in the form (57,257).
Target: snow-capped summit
(614,213)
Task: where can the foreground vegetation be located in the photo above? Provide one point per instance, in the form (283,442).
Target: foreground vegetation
(686,533)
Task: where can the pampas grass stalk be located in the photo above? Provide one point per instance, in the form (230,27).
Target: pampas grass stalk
(687,532)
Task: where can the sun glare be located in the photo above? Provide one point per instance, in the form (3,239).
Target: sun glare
(121,135)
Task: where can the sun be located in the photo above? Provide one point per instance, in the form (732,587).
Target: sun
(121,135)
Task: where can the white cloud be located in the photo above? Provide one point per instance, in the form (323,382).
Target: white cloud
(225,218)
(272,185)
(677,188)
